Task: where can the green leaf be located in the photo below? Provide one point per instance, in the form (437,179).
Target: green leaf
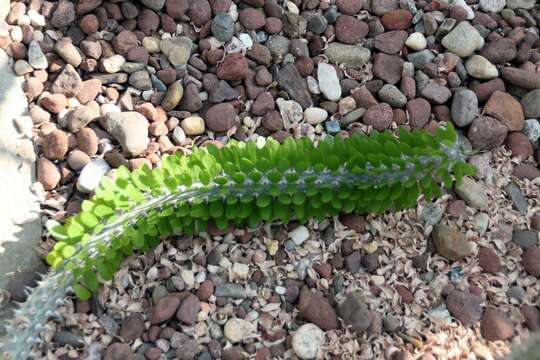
(57,230)
(91,281)
(81,292)
(68,251)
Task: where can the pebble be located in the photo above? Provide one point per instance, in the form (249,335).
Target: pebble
(68,52)
(113,64)
(317,23)
(463,40)
(316,308)
(354,312)
(91,175)
(236,330)
(496,325)
(332,127)
(379,116)
(289,79)
(164,309)
(132,327)
(47,174)
(177,49)
(172,97)
(488,260)
(464,107)
(315,115)
(329,82)
(223,27)
(118,351)
(431,214)
(352,56)
(229,290)
(391,42)
(350,30)
(479,67)
(220,117)
(505,108)
(500,51)
(391,95)
(495,6)
(435,93)
(36,57)
(465,306)
(451,243)
(68,338)
(416,41)
(130,128)
(68,83)
(522,4)
(481,222)
(188,310)
(486,133)
(473,193)
(307,340)
(522,78)
(525,239)
(532,317)
(531,105)
(299,235)
(516,292)
(55,145)
(530,261)
(388,67)
(519,201)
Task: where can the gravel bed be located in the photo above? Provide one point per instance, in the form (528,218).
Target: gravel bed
(113,82)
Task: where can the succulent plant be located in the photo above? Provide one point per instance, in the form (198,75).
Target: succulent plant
(241,184)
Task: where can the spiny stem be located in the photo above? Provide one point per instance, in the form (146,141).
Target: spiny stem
(237,174)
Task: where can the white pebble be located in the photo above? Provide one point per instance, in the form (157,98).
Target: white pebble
(37,35)
(246,40)
(113,64)
(307,340)
(109,108)
(233,11)
(329,82)
(240,271)
(16,34)
(416,41)
(315,115)
(73,103)
(313,85)
(147,94)
(179,137)
(225,263)
(299,235)
(188,277)
(23,20)
(91,175)
(21,67)
(36,19)
(236,330)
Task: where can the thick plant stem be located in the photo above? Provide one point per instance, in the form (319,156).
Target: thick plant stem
(218,185)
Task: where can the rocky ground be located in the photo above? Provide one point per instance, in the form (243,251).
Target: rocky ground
(112,82)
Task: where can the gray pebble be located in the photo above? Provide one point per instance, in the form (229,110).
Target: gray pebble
(464,107)
(515,292)
(514,193)
(223,27)
(317,24)
(233,291)
(390,94)
(431,214)
(525,238)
